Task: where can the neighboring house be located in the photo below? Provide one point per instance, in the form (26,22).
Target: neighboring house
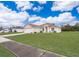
(11,29)
(5,30)
(16,29)
(48,27)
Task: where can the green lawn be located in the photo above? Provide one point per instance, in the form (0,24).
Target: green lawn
(5,52)
(64,43)
(10,33)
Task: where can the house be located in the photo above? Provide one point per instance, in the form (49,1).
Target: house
(47,27)
(31,28)
(4,29)
(57,29)
(12,29)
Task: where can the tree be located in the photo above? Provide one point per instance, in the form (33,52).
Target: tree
(10,29)
(71,28)
(1,28)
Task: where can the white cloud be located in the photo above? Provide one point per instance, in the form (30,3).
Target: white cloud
(2,8)
(42,2)
(73,22)
(24,5)
(78,9)
(34,17)
(9,17)
(66,17)
(17,18)
(41,21)
(37,8)
(2,20)
(64,5)
(62,18)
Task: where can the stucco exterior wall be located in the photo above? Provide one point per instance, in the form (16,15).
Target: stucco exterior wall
(57,30)
(31,30)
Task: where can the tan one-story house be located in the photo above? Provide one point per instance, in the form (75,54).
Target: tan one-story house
(48,27)
(32,28)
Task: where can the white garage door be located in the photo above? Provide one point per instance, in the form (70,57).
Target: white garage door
(28,31)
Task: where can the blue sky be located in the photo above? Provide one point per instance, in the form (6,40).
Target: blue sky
(50,11)
(45,12)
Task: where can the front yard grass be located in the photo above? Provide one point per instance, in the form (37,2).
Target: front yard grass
(64,43)
(5,52)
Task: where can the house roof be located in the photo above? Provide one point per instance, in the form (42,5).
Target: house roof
(40,26)
(32,26)
(49,25)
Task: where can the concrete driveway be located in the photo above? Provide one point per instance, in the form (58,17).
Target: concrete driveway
(12,34)
(4,39)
